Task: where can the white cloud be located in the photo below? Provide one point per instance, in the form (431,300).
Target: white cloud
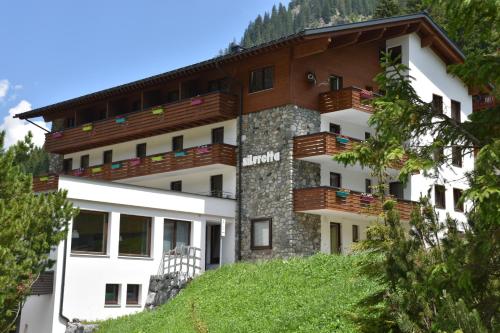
(15,128)
(4,88)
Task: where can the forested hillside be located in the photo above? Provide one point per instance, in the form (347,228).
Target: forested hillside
(301,14)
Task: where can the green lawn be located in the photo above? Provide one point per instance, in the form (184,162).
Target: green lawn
(316,294)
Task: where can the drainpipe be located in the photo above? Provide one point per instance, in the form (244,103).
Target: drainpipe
(240,157)
(63,279)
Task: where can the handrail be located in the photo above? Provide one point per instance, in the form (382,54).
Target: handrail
(185,260)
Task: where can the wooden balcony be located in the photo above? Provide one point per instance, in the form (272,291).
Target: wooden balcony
(326,198)
(483,102)
(323,143)
(201,110)
(154,164)
(347,98)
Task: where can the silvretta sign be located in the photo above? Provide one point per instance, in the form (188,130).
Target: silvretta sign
(269,157)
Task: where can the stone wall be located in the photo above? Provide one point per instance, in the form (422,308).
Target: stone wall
(267,188)
(162,288)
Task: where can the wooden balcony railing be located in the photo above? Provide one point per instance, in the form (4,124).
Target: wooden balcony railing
(158,163)
(317,198)
(347,98)
(201,110)
(482,102)
(323,143)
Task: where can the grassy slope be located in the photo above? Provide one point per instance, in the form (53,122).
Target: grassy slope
(316,294)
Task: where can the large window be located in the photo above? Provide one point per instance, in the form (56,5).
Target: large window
(439,196)
(261,79)
(175,234)
(90,232)
(355,233)
(112,294)
(135,235)
(261,234)
(336,82)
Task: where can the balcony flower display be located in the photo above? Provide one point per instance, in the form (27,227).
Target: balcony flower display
(116,166)
(342,140)
(87,128)
(57,135)
(366,94)
(157,158)
(197,101)
(135,161)
(120,119)
(202,150)
(44,178)
(79,172)
(343,193)
(180,153)
(367,198)
(157,111)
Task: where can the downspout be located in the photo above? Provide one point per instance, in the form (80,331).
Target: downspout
(63,279)
(240,158)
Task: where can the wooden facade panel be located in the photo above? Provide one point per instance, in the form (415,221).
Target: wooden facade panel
(326,198)
(153,164)
(194,112)
(324,143)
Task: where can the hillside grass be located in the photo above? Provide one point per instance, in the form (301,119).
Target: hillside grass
(315,294)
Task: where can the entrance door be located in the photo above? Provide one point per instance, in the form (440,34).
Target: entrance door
(215,244)
(335,244)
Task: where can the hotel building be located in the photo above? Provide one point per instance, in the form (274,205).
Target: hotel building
(232,156)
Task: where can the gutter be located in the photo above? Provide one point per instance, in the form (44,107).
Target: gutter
(63,280)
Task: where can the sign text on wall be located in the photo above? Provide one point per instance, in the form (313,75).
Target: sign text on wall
(269,157)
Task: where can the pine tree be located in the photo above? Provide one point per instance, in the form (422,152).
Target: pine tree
(387,8)
(30,225)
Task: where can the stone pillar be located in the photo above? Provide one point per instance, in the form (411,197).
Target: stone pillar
(267,188)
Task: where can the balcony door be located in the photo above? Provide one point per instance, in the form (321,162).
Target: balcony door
(335,241)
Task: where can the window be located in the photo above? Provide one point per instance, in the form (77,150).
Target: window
(455,111)
(176,234)
(172,96)
(136,105)
(67,165)
(216,186)
(355,233)
(107,157)
(396,189)
(135,235)
(132,294)
(140,150)
(457,194)
(439,196)
(84,161)
(456,156)
(261,234)
(112,294)
(70,122)
(367,135)
(336,82)
(395,54)
(177,143)
(176,186)
(217,85)
(261,79)
(437,104)
(334,128)
(218,135)
(335,179)
(90,232)
(368,186)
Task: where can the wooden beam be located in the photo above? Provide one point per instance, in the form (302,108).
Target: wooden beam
(427,41)
(311,47)
(372,35)
(346,41)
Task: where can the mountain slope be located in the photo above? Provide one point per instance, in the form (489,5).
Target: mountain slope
(316,294)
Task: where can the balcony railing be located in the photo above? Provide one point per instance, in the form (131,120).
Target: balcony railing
(201,110)
(323,143)
(328,198)
(153,164)
(347,98)
(482,102)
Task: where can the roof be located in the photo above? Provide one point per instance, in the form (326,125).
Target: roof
(214,62)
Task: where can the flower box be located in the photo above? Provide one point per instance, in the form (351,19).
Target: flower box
(116,166)
(120,120)
(342,193)
(135,161)
(157,111)
(96,169)
(366,94)
(366,198)
(157,158)
(44,178)
(57,135)
(342,140)
(197,101)
(79,172)
(87,128)
(180,154)
(202,150)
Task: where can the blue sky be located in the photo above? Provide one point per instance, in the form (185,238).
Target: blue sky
(54,50)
